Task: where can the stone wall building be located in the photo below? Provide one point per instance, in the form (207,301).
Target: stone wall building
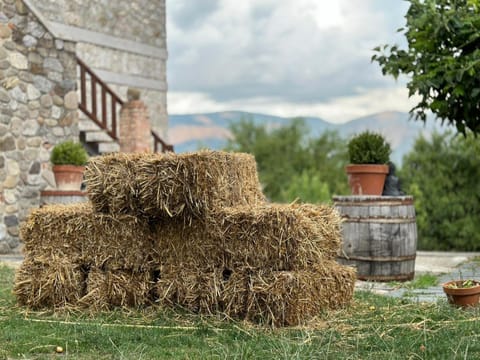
(124,42)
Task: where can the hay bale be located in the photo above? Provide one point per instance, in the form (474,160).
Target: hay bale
(327,220)
(278,298)
(76,233)
(111,182)
(57,283)
(189,288)
(288,298)
(277,237)
(235,292)
(118,288)
(194,245)
(168,185)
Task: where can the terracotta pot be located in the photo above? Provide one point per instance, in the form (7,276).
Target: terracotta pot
(366,179)
(463,297)
(68,177)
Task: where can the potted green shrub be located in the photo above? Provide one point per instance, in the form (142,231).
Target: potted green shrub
(369,153)
(68,159)
(462,293)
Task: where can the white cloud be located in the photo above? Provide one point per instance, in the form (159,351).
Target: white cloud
(279,55)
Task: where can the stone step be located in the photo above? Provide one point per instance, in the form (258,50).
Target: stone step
(97,136)
(87,125)
(104,147)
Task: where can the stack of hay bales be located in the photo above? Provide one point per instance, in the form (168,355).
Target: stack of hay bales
(72,253)
(191,230)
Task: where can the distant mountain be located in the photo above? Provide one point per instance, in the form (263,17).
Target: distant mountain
(193,131)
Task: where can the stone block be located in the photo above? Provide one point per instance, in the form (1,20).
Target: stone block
(13,230)
(10,182)
(53,64)
(18,60)
(35,29)
(35,58)
(37,69)
(42,83)
(34,142)
(4,64)
(71,100)
(9,45)
(4,247)
(7,143)
(25,76)
(32,92)
(30,128)
(69,119)
(4,96)
(29,41)
(46,101)
(55,76)
(13,167)
(10,220)
(35,168)
(21,8)
(3,53)
(5,31)
(59,44)
(17,94)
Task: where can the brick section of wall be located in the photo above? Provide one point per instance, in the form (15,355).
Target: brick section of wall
(38,109)
(135,127)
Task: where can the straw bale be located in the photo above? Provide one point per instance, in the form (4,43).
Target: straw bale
(194,245)
(111,182)
(235,292)
(187,287)
(118,288)
(167,185)
(327,220)
(289,298)
(75,232)
(279,237)
(59,283)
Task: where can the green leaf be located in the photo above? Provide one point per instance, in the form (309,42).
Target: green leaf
(443,54)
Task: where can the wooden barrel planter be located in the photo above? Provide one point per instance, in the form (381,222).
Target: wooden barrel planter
(62,197)
(379,236)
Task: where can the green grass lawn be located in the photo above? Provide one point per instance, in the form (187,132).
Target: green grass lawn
(374,327)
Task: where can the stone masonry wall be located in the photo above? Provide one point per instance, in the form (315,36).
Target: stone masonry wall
(138,20)
(38,108)
(141,21)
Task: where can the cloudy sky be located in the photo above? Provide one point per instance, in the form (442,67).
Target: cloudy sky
(283,57)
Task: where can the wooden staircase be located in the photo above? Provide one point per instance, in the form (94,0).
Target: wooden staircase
(101,106)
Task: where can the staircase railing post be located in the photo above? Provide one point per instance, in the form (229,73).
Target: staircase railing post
(91,111)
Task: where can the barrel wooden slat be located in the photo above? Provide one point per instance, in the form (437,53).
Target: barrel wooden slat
(379,236)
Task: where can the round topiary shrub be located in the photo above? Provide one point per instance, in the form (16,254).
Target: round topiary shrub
(369,148)
(69,153)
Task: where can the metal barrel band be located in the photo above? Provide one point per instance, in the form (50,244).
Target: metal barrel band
(379,219)
(379,258)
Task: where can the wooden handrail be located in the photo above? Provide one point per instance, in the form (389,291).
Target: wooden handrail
(106,121)
(158,142)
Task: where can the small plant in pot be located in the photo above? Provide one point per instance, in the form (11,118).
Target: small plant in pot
(68,159)
(369,153)
(462,293)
